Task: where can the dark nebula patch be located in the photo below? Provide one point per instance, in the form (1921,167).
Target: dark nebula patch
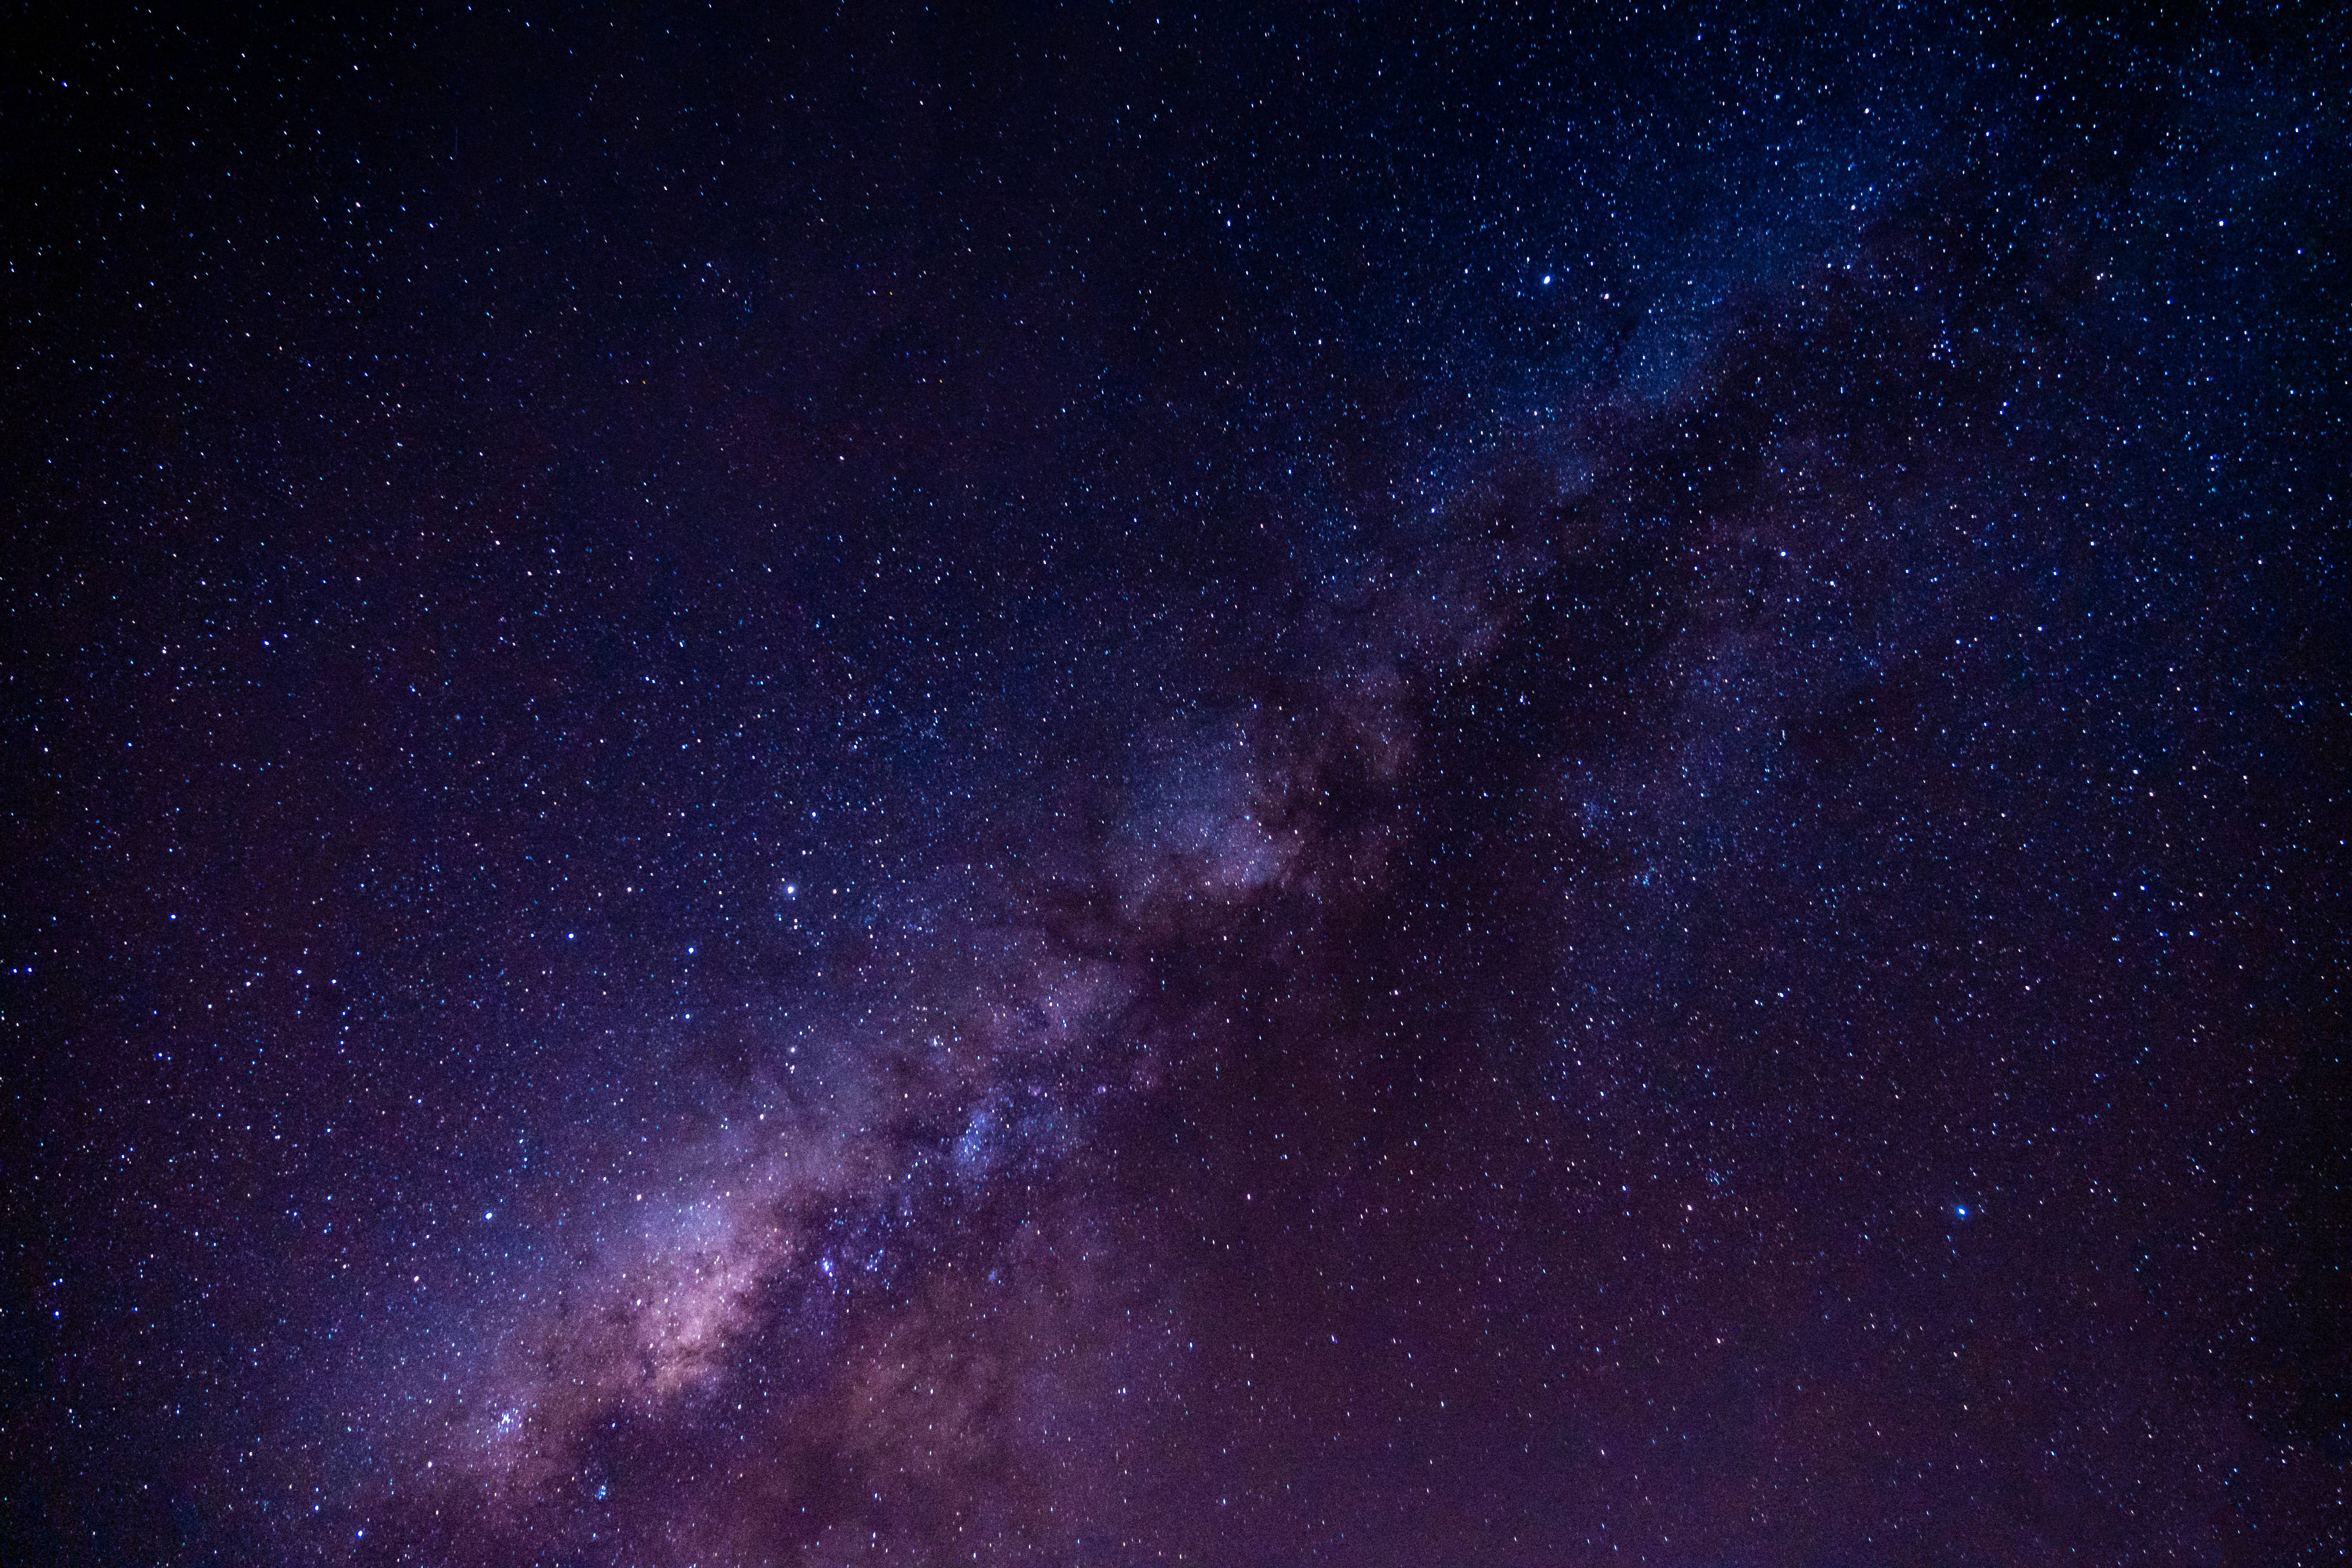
(1071,786)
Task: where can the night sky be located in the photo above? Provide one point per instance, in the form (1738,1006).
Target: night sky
(1077,785)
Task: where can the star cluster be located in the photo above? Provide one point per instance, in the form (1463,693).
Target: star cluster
(1079,786)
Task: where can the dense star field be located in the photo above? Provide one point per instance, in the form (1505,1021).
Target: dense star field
(1085,786)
